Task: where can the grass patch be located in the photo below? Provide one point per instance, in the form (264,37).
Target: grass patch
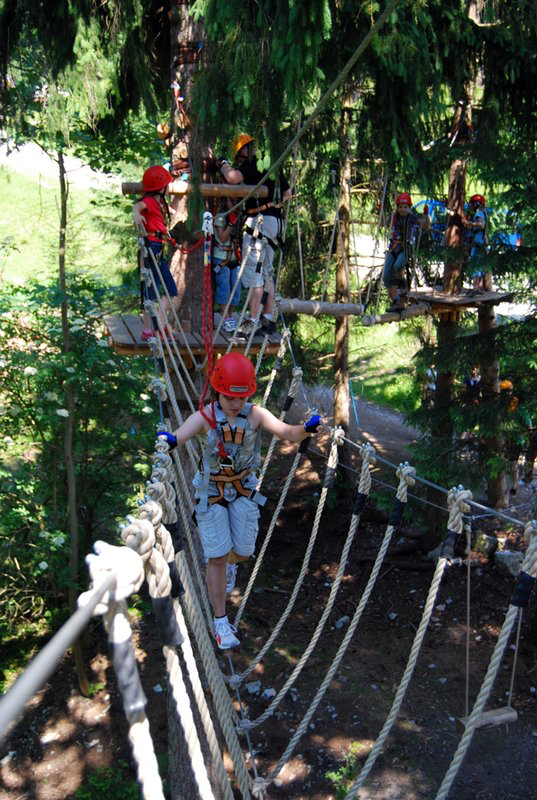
(380,359)
(100,238)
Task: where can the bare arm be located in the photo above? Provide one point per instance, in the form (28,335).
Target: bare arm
(192,426)
(137,212)
(231,175)
(262,418)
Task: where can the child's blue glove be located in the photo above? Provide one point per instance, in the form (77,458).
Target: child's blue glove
(311,425)
(169,437)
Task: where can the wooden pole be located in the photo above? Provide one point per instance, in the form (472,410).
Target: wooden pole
(180,188)
(315,308)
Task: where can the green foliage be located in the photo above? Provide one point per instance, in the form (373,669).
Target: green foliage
(343,778)
(112,782)
(112,429)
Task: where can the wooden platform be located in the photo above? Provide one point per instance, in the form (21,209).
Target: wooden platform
(436,301)
(125,336)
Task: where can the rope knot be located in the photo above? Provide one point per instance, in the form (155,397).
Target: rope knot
(339,436)
(158,387)
(139,535)
(127,567)
(457,504)
(259,788)
(234,681)
(405,473)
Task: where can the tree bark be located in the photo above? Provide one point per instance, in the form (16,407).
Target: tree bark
(187,269)
(489,368)
(341,347)
(69,431)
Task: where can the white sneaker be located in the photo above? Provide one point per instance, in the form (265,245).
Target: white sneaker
(229,325)
(224,633)
(231,577)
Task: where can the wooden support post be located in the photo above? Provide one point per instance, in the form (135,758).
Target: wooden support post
(206,189)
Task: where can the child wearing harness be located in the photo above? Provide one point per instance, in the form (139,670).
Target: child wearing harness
(403,227)
(227,503)
(225,266)
(477,224)
(257,276)
(152,212)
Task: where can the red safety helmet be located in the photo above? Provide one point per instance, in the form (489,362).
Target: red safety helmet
(234,376)
(477,199)
(155,179)
(404,197)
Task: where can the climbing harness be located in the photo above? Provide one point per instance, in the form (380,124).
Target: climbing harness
(223,445)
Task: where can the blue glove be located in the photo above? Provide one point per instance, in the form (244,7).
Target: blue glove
(311,425)
(169,437)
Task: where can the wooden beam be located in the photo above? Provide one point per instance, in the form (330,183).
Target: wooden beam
(315,308)
(206,189)
(414,310)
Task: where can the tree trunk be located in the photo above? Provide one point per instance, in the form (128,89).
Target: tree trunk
(341,347)
(187,269)
(489,367)
(68,433)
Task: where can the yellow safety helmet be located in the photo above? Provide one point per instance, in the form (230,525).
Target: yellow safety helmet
(239,142)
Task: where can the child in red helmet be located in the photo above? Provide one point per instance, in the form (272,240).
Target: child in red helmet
(477,223)
(403,227)
(227,503)
(152,212)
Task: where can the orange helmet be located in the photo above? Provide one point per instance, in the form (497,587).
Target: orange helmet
(234,376)
(404,197)
(155,179)
(477,199)
(506,385)
(239,142)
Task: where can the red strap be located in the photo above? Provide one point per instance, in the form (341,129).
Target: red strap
(187,250)
(207,323)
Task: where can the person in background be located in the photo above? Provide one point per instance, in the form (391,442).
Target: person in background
(151,213)
(477,224)
(258,277)
(404,226)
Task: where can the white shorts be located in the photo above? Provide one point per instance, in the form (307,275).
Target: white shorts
(256,274)
(234,527)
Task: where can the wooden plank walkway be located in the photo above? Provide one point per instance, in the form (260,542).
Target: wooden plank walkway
(125,336)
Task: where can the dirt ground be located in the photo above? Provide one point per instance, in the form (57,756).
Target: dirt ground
(63,735)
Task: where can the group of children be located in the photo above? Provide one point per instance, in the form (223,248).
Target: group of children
(151,214)
(405,228)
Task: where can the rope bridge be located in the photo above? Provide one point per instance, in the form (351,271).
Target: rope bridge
(153,550)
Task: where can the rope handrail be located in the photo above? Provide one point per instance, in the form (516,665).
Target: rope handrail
(44,663)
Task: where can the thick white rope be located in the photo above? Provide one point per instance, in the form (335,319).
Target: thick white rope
(140,535)
(164,544)
(284,342)
(259,560)
(365,481)
(129,569)
(224,709)
(457,498)
(530,567)
(118,628)
(296,380)
(330,470)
